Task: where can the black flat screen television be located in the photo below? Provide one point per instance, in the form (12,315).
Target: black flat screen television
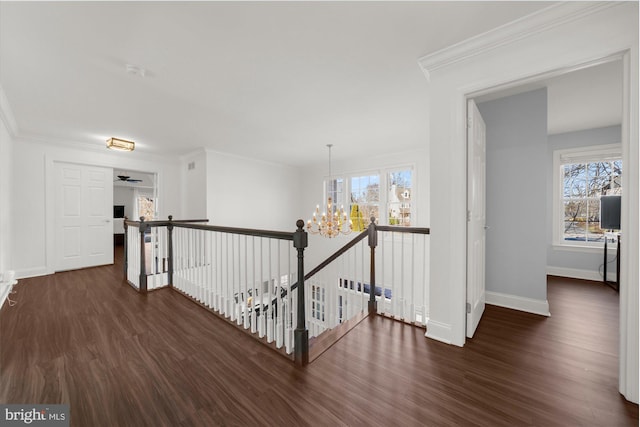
(118,211)
(610,212)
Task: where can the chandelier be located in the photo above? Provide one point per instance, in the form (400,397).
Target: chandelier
(333,221)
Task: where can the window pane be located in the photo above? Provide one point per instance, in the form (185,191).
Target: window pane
(365,189)
(575,180)
(582,186)
(593,231)
(575,218)
(146,208)
(399,198)
(599,177)
(365,196)
(369,211)
(334,190)
(615,184)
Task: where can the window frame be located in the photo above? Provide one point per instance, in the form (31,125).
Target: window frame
(383,197)
(588,154)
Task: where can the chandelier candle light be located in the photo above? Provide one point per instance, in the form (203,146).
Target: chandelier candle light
(331,223)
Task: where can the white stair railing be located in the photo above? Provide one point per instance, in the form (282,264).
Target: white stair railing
(392,264)
(132,255)
(334,292)
(402,288)
(251,277)
(241,275)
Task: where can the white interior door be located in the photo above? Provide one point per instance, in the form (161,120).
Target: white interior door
(476,217)
(83,216)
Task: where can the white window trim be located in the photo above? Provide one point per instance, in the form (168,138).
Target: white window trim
(578,154)
(383,173)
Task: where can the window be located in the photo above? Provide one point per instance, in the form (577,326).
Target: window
(317,303)
(399,198)
(146,207)
(386,195)
(583,176)
(335,190)
(365,200)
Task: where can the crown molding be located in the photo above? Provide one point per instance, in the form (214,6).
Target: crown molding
(6,114)
(527,26)
(90,147)
(62,143)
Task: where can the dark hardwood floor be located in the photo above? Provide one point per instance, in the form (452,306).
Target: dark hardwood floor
(121,359)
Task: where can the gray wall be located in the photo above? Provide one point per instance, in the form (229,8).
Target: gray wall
(516,194)
(578,263)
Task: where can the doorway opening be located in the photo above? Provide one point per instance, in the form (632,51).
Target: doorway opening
(570,118)
(135,195)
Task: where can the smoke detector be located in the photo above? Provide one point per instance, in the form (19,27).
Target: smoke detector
(135,70)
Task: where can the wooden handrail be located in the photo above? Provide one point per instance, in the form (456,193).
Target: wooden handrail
(282,235)
(299,239)
(355,241)
(191,223)
(399,229)
(162,223)
(339,252)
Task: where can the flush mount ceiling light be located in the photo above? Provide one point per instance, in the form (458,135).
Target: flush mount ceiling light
(120,144)
(135,70)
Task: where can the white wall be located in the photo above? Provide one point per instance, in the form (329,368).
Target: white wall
(516,178)
(583,263)
(124,196)
(564,36)
(249,193)
(6,179)
(32,200)
(194,186)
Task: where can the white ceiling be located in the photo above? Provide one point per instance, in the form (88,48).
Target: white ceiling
(584,99)
(270,80)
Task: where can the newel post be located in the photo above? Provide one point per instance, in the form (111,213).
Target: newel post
(143,262)
(301,334)
(126,245)
(170,250)
(373,242)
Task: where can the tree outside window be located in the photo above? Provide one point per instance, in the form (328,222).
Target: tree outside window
(146,208)
(583,184)
(365,200)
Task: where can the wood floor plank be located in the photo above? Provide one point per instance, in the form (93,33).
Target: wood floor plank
(118,358)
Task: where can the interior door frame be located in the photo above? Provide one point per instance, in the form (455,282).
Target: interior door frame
(57,182)
(470,310)
(628,366)
(79,158)
(510,84)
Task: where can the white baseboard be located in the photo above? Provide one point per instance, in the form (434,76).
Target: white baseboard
(7,282)
(4,293)
(575,273)
(528,305)
(438,331)
(32,272)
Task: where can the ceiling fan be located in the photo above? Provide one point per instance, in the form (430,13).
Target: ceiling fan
(126,178)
